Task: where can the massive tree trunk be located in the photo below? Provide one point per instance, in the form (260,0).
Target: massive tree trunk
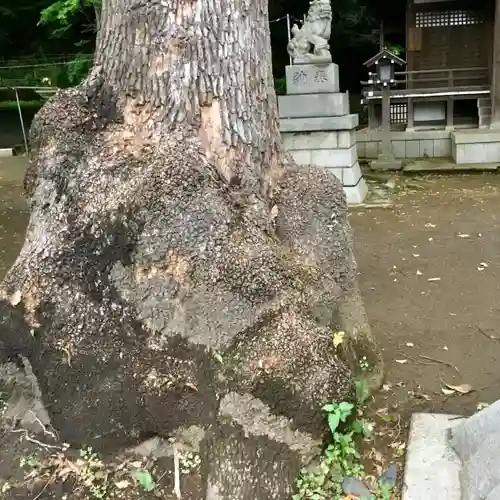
(178,270)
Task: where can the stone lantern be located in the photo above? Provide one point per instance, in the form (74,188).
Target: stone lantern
(383,78)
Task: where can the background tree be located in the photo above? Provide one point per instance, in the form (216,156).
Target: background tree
(67,27)
(178,269)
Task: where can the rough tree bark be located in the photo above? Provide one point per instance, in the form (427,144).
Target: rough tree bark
(178,269)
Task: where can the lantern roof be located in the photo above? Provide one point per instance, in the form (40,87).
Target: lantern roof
(384,54)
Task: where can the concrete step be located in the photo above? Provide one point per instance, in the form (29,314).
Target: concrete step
(484,120)
(484,102)
(448,166)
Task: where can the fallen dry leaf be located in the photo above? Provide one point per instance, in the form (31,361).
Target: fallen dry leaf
(338,339)
(274,212)
(191,386)
(447,392)
(461,389)
(15,298)
(121,485)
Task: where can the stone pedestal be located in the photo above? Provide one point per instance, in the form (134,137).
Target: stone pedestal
(317,127)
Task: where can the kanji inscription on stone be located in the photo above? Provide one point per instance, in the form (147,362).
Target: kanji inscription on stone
(320,76)
(299,77)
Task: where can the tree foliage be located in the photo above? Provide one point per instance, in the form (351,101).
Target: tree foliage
(61,15)
(69,27)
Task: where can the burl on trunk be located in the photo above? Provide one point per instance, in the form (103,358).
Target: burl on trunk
(178,269)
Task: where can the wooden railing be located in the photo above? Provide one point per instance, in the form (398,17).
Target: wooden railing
(437,80)
(449,78)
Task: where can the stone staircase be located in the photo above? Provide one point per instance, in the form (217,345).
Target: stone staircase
(484,111)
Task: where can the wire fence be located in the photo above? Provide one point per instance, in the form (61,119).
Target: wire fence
(52,70)
(49,73)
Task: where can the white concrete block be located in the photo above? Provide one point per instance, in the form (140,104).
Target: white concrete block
(347,122)
(313,105)
(356,194)
(478,153)
(473,136)
(351,175)
(432,467)
(310,140)
(459,155)
(346,138)
(312,78)
(334,157)
(301,157)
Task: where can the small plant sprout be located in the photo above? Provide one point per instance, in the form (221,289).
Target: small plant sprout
(145,479)
(363,364)
(362,394)
(341,459)
(189,462)
(28,461)
(91,473)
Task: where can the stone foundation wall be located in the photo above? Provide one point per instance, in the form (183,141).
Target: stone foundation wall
(410,145)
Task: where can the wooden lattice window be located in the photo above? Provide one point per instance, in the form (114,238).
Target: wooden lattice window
(399,113)
(436,19)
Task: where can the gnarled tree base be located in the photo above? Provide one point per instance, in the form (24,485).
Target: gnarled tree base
(151,295)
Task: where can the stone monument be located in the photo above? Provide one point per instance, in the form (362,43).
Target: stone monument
(315,122)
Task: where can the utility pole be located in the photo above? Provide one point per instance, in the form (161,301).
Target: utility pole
(381,37)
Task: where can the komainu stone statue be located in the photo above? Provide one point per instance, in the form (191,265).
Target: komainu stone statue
(310,42)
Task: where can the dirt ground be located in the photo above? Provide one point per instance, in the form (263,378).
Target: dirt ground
(429,269)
